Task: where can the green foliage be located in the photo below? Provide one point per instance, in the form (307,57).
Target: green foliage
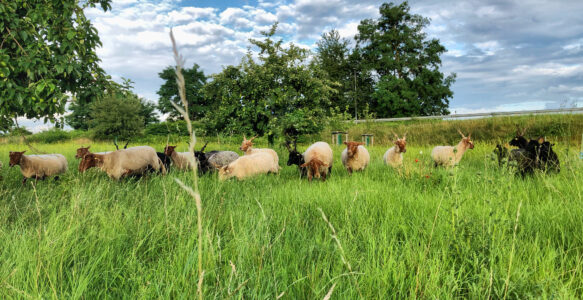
(47,50)
(265,96)
(168,127)
(50,136)
(194,80)
(116,116)
(396,48)
(81,111)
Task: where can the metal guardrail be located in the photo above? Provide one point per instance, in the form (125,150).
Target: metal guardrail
(478,115)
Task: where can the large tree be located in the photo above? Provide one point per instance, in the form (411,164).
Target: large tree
(277,94)
(332,55)
(396,48)
(47,51)
(82,111)
(117,116)
(194,79)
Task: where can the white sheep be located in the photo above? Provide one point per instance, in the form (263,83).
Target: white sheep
(355,157)
(38,166)
(249,165)
(181,160)
(449,156)
(247,148)
(323,157)
(394,156)
(124,162)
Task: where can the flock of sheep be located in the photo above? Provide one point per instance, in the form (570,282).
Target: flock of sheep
(315,162)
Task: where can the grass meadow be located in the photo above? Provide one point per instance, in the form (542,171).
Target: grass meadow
(476,231)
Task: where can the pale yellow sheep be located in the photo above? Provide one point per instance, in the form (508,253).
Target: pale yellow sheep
(249,165)
(355,157)
(449,156)
(394,156)
(124,162)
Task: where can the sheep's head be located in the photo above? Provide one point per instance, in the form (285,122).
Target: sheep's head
(467,140)
(89,161)
(224,173)
(169,149)
(314,166)
(15,158)
(401,143)
(519,140)
(295,157)
(352,147)
(82,152)
(246,144)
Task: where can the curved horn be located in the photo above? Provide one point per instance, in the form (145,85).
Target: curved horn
(396,136)
(459,131)
(202,149)
(253,138)
(405,136)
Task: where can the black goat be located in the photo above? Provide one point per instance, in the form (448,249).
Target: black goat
(548,159)
(535,155)
(203,159)
(296,158)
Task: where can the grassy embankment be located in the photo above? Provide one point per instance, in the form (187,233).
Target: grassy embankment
(476,231)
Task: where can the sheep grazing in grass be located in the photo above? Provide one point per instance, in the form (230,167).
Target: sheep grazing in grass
(247,148)
(449,156)
(213,160)
(312,163)
(180,160)
(355,157)
(394,156)
(39,166)
(249,165)
(125,162)
(316,168)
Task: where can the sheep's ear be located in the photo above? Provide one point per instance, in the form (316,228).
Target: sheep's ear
(345,143)
(360,143)
(304,165)
(324,164)
(541,140)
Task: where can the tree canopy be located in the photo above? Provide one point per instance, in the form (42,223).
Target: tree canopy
(395,47)
(194,80)
(47,51)
(270,95)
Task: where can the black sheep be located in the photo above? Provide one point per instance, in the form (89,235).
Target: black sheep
(296,158)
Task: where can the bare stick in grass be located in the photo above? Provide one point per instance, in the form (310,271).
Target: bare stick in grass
(193,193)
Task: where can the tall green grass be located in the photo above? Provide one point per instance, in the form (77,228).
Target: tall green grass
(475,231)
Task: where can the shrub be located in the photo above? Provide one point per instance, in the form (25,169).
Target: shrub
(50,136)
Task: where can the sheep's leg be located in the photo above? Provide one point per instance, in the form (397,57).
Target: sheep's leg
(24,180)
(349,169)
(330,170)
(56,178)
(324,176)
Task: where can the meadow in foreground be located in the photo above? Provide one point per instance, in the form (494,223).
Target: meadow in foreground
(475,231)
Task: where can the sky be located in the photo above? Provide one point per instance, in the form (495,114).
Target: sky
(508,55)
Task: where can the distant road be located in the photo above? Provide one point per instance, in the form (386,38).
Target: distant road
(480,115)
